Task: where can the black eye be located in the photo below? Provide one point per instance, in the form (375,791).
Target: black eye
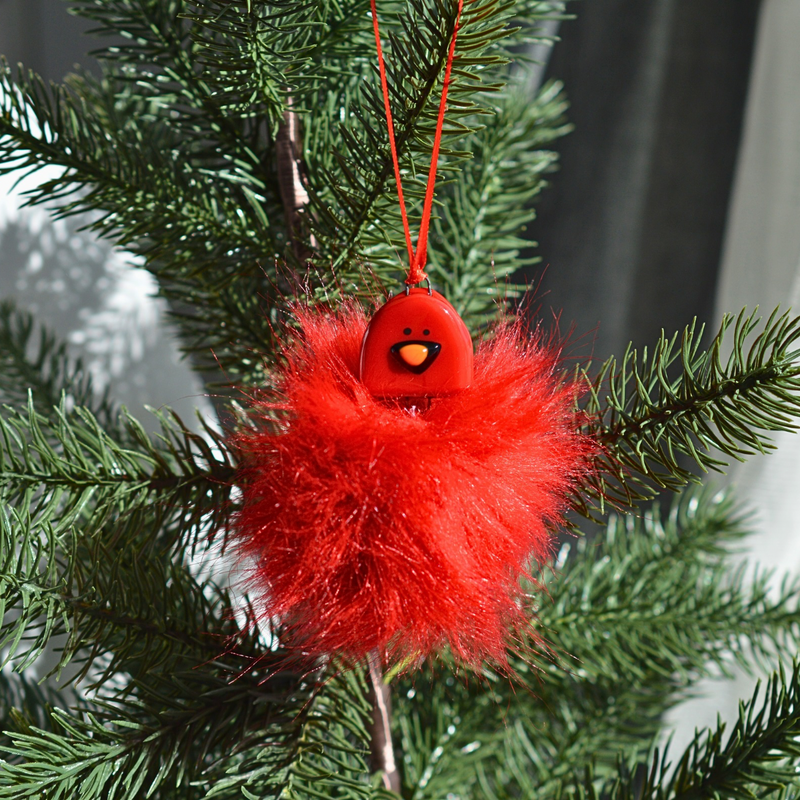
(426,332)
(407,331)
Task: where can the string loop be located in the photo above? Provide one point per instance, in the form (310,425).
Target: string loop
(419,257)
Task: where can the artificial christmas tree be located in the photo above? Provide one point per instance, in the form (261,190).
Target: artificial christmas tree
(240,149)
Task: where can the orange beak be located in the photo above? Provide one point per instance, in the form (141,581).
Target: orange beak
(413,354)
(416,357)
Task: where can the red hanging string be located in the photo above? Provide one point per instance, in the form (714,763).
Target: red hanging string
(390,125)
(418,259)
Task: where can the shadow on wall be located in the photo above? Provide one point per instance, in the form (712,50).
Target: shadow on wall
(91,296)
(84,290)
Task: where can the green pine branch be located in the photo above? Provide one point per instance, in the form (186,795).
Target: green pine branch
(164,55)
(650,412)
(195,228)
(180,696)
(115,751)
(352,175)
(24,702)
(757,759)
(632,622)
(257,56)
(93,131)
(449,727)
(325,758)
(111,606)
(662,595)
(93,530)
(70,453)
(33,360)
(269,733)
(626,627)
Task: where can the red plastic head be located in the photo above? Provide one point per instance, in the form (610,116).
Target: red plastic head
(416,345)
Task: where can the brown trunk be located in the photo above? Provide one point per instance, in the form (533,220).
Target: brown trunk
(288,147)
(381,748)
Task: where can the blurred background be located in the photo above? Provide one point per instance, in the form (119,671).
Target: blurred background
(678,197)
(81,287)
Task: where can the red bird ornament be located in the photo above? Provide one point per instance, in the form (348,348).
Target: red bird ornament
(375,524)
(396,488)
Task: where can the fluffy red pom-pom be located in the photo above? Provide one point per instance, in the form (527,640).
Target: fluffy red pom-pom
(374,526)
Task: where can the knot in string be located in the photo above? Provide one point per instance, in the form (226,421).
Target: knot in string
(419,257)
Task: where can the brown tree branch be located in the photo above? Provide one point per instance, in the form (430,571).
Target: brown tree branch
(289,148)
(382,749)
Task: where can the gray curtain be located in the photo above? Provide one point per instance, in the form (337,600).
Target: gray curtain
(631,230)
(42,35)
